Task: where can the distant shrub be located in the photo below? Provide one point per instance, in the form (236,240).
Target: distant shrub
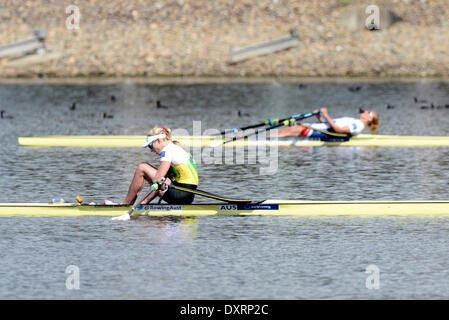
(342,3)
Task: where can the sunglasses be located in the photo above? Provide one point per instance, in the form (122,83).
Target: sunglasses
(150,146)
(363,111)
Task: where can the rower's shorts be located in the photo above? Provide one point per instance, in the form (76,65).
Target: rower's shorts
(310,133)
(172,196)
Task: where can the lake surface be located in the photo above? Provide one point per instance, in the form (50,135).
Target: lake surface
(223,257)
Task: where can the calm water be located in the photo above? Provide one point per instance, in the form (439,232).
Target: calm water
(222,257)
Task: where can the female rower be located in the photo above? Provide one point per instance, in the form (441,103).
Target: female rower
(177,167)
(350,126)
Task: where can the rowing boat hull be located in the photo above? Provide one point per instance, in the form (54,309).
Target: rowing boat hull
(266,208)
(362,140)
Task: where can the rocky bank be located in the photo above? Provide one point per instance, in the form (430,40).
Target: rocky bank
(156,38)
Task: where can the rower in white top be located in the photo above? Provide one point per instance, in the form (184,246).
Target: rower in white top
(346,126)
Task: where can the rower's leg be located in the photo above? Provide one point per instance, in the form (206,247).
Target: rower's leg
(294,131)
(144,172)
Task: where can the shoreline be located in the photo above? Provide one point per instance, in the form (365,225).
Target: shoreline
(214,80)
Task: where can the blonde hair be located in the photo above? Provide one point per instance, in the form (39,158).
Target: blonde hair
(374,125)
(166,131)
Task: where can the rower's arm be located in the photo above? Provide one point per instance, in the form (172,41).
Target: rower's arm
(332,124)
(162,171)
(338,129)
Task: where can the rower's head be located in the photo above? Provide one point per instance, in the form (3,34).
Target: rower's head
(158,138)
(371,118)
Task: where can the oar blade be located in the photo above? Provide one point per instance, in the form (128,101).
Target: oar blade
(127,216)
(123,217)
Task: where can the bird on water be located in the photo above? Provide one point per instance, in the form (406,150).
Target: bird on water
(3,116)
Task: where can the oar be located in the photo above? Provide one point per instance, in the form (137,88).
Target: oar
(286,122)
(209,195)
(270,122)
(127,216)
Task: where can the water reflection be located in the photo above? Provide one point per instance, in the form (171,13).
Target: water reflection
(170,229)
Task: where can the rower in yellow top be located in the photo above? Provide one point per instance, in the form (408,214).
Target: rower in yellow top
(176,166)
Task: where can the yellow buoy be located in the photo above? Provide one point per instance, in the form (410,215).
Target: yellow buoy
(79,199)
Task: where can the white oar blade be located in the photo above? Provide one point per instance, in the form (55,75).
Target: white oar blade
(215,144)
(127,216)
(123,217)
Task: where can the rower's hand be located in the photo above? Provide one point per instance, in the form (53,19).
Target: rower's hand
(162,184)
(155,186)
(158,185)
(324,112)
(318,114)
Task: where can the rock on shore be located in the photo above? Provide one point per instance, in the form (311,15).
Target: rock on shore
(193,38)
